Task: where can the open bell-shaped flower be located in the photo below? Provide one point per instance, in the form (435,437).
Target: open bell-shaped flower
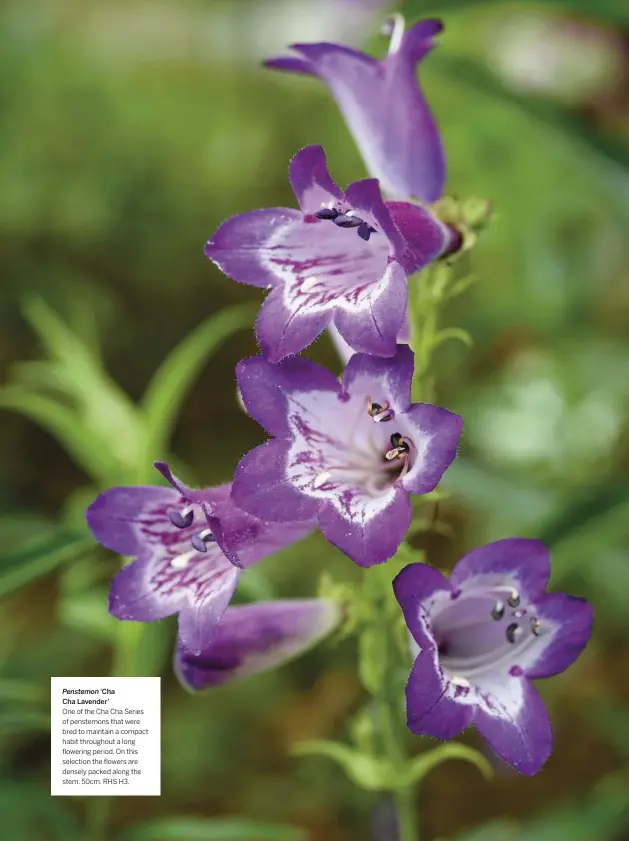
(254,637)
(383,106)
(480,638)
(342,259)
(346,454)
(189,549)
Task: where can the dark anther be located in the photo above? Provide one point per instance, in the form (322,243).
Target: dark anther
(536,626)
(513,631)
(365,231)
(348,221)
(181,521)
(374,409)
(514,599)
(326,213)
(201,539)
(381,414)
(399,443)
(498,610)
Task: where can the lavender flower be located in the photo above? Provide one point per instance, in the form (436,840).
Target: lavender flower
(482,636)
(255,637)
(347,454)
(383,106)
(187,547)
(343,258)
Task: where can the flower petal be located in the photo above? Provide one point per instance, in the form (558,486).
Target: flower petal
(430,709)
(206,602)
(261,486)
(120,518)
(369,530)
(253,638)
(311,181)
(414,585)
(385,109)
(365,196)
(425,236)
(518,560)
(435,434)
(516,724)
(571,621)
(372,326)
(284,331)
(382,379)
(240,247)
(266,388)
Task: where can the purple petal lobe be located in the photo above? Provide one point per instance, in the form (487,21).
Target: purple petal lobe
(369,532)
(415,585)
(520,560)
(389,378)
(425,236)
(373,325)
(517,726)
(435,434)
(256,637)
(569,621)
(429,708)
(283,331)
(311,181)
(266,389)
(292,65)
(262,488)
(240,246)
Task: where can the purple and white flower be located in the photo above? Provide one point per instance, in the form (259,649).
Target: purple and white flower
(343,258)
(187,547)
(347,454)
(255,637)
(482,636)
(383,106)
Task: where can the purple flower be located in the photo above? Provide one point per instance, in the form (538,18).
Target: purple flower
(255,637)
(343,259)
(383,106)
(348,454)
(482,636)
(187,547)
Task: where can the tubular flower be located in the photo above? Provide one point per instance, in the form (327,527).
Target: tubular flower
(347,454)
(343,258)
(185,545)
(383,106)
(255,637)
(481,637)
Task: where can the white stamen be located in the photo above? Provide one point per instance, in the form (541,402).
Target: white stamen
(205,534)
(321,479)
(181,561)
(351,213)
(460,681)
(395,28)
(308,283)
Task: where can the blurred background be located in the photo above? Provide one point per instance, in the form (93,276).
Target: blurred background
(128,132)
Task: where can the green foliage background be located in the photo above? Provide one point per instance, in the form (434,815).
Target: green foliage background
(128,132)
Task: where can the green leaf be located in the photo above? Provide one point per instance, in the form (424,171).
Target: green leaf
(211,829)
(65,425)
(614,11)
(172,380)
(422,765)
(142,648)
(365,771)
(590,506)
(35,558)
(453,333)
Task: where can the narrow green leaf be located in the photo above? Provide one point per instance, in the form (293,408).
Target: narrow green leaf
(172,380)
(39,556)
(142,648)
(211,829)
(372,653)
(453,333)
(590,506)
(65,425)
(422,765)
(365,771)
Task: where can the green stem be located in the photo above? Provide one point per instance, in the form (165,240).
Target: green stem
(387,697)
